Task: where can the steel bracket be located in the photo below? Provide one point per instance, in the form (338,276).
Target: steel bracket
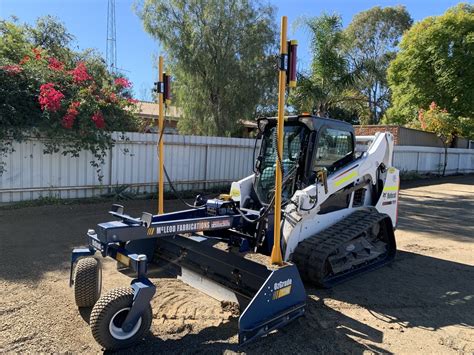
(75,255)
(143,291)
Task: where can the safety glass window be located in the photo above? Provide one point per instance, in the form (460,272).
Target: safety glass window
(333,145)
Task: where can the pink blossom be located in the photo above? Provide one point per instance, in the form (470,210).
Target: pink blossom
(37,53)
(55,64)
(50,98)
(24,60)
(70,116)
(79,73)
(98,119)
(122,82)
(12,69)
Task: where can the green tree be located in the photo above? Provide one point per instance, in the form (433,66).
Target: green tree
(435,63)
(322,89)
(371,39)
(446,126)
(221,56)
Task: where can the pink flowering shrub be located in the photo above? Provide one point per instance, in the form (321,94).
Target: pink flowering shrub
(50,98)
(79,73)
(48,93)
(55,64)
(98,119)
(12,69)
(122,83)
(70,116)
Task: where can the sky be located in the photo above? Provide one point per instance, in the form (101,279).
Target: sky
(137,51)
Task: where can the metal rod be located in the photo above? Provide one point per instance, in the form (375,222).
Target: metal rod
(276,257)
(160,141)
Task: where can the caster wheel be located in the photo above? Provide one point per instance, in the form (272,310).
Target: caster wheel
(87,282)
(108,316)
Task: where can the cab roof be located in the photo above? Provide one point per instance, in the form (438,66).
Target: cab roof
(313,122)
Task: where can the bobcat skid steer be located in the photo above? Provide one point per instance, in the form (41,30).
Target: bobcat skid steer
(339,211)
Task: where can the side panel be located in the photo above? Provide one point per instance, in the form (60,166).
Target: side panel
(388,201)
(281,299)
(303,221)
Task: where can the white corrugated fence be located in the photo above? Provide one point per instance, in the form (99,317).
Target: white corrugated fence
(193,163)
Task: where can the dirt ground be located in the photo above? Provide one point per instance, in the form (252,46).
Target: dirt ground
(421,303)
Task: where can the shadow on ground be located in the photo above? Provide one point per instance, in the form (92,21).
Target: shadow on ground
(441,216)
(36,240)
(413,291)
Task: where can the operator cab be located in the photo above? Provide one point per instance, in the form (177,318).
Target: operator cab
(310,144)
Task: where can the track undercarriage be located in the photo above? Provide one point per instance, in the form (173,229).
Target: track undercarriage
(360,242)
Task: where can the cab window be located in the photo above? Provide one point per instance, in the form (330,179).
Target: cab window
(334,146)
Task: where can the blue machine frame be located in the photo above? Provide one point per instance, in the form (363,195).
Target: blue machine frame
(276,297)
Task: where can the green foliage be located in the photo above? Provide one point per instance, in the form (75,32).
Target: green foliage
(435,63)
(322,89)
(372,39)
(221,56)
(51,92)
(446,126)
(348,71)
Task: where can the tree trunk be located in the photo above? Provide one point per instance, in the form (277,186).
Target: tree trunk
(445,158)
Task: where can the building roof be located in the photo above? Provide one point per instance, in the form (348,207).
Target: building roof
(150,110)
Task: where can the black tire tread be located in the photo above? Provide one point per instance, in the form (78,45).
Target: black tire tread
(86,279)
(104,309)
(310,255)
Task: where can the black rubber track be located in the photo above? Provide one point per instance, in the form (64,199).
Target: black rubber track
(87,282)
(311,254)
(105,308)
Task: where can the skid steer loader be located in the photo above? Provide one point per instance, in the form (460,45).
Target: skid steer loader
(339,211)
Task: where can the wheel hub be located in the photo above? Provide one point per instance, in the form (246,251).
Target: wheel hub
(116,325)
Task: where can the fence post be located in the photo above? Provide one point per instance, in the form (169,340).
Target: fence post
(417,161)
(205,166)
(109,190)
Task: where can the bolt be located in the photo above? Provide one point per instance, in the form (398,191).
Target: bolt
(91,232)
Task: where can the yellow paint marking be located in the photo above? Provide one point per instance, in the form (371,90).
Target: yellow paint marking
(345,179)
(235,193)
(123,259)
(285,291)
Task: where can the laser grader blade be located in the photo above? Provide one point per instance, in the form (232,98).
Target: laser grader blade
(269,298)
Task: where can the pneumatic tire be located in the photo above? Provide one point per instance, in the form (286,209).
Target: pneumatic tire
(87,282)
(107,318)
